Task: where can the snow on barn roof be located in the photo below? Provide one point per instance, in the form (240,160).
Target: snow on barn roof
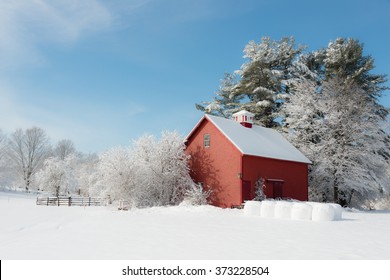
(257,141)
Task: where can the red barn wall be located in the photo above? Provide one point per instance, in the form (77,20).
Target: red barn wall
(294,175)
(217,166)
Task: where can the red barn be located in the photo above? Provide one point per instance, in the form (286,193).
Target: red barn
(229,156)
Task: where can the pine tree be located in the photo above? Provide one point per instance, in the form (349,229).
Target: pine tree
(225,103)
(261,87)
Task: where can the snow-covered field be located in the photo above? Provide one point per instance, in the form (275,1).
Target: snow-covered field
(28,231)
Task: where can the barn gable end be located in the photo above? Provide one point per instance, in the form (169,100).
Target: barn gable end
(215,166)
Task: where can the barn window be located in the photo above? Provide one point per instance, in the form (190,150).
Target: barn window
(206,140)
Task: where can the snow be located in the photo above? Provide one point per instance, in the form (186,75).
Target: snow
(258,141)
(28,231)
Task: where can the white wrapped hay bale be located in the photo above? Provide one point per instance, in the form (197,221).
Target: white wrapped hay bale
(323,212)
(338,211)
(283,210)
(301,211)
(267,209)
(252,208)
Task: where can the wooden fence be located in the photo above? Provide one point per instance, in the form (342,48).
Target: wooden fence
(71,201)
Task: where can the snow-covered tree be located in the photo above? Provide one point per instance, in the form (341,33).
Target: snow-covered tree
(27,151)
(57,176)
(165,165)
(3,144)
(344,59)
(226,101)
(336,126)
(262,80)
(64,148)
(164,168)
(116,175)
(149,173)
(6,175)
(85,172)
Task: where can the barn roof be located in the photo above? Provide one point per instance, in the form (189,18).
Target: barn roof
(256,141)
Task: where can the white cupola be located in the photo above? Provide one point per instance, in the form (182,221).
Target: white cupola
(244,117)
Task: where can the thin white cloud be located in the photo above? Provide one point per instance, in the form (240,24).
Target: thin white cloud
(25,25)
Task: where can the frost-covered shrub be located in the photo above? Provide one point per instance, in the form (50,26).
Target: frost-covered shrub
(57,176)
(197,195)
(259,190)
(149,173)
(115,175)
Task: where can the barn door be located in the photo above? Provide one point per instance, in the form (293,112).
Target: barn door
(246,190)
(278,189)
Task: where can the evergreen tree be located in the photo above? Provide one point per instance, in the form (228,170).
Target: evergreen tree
(225,103)
(344,59)
(262,85)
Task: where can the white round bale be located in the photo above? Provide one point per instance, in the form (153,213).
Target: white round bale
(338,211)
(283,210)
(323,212)
(267,209)
(252,208)
(313,204)
(301,211)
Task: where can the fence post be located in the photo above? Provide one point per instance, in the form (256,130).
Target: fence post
(89,203)
(70,201)
(58,200)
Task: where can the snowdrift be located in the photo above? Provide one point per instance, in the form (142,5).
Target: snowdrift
(309,211)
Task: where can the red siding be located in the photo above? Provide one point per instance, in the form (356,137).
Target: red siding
(294,175)
(217,166)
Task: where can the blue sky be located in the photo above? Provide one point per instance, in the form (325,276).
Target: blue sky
(103,73)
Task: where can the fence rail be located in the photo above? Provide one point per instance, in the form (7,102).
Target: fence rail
(71,201)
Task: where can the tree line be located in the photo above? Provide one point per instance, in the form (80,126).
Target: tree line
(150,172)
(326,102)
